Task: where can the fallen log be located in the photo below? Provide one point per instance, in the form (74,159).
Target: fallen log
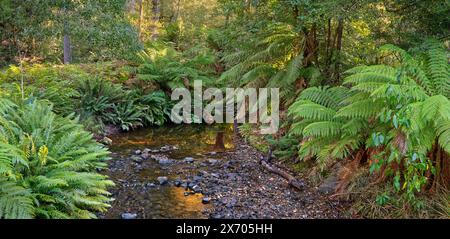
(292,181)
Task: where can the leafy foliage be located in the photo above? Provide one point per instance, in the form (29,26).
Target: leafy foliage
(403,110)
(168,68)
(47,165)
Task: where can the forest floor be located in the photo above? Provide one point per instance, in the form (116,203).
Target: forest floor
(236,186)
(248,190)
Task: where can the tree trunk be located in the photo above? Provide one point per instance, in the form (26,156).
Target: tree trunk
(338,47)
(339,31)
(131,6)
(67,51)
(310,50)
(67,58)
(177,12)
(328,45)
(141,15)
(155,19)
(219,141)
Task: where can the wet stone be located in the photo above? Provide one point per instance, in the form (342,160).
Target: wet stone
(128,216)
(150,185)
(206,200)
(213,161)
(197,189)
(177,183)
(165,161)
(188,160)
(162,180)
(145,156)
(136,159)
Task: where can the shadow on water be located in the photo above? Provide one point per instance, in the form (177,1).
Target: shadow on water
(133,193)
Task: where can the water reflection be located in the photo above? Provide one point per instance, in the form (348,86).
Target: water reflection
(195,141)
(190,139)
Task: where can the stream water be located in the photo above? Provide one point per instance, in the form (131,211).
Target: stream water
(138,190)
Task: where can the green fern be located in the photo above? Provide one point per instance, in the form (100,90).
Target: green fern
(47,165)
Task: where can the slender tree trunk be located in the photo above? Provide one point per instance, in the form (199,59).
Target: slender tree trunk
(141,15)
(67,58)
(328,44)
(177,12)
(339,32)
(67,51)
(220,144)
(155,19)
(310,47)
(131,6)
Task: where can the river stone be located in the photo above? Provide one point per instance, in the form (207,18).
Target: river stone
(329,185)
(146,151)
(145,156)
(150,185)
(206,200)
(213,161)
(188,160)
(177,183)
(137,152)
(197,178)
(197,189)
(164,161)
(191,185)
(136,159)
(162,180)
(128,216)
(165,148)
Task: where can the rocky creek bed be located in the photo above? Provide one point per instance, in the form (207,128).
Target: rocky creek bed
(184,175)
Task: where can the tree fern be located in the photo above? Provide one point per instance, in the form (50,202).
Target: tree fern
(403,107)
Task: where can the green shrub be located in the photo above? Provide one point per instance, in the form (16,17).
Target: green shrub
(97,100)
(52,83)
(170,69)
(156,107)
(48,165)
(398,113)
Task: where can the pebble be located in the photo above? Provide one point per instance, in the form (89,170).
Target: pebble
(128,216)
(162,180)
(136,159)
(197,189)
(165,161)
(206,200)
(213,161)
(188,160)
(145,156)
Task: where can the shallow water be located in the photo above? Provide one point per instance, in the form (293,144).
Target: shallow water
(132,193)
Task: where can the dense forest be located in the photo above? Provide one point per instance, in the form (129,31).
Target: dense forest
(364,95)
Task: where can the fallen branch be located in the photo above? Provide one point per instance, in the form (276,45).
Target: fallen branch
(294,182)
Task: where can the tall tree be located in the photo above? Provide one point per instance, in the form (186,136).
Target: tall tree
(155,19)
(67,51)
(141,16)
